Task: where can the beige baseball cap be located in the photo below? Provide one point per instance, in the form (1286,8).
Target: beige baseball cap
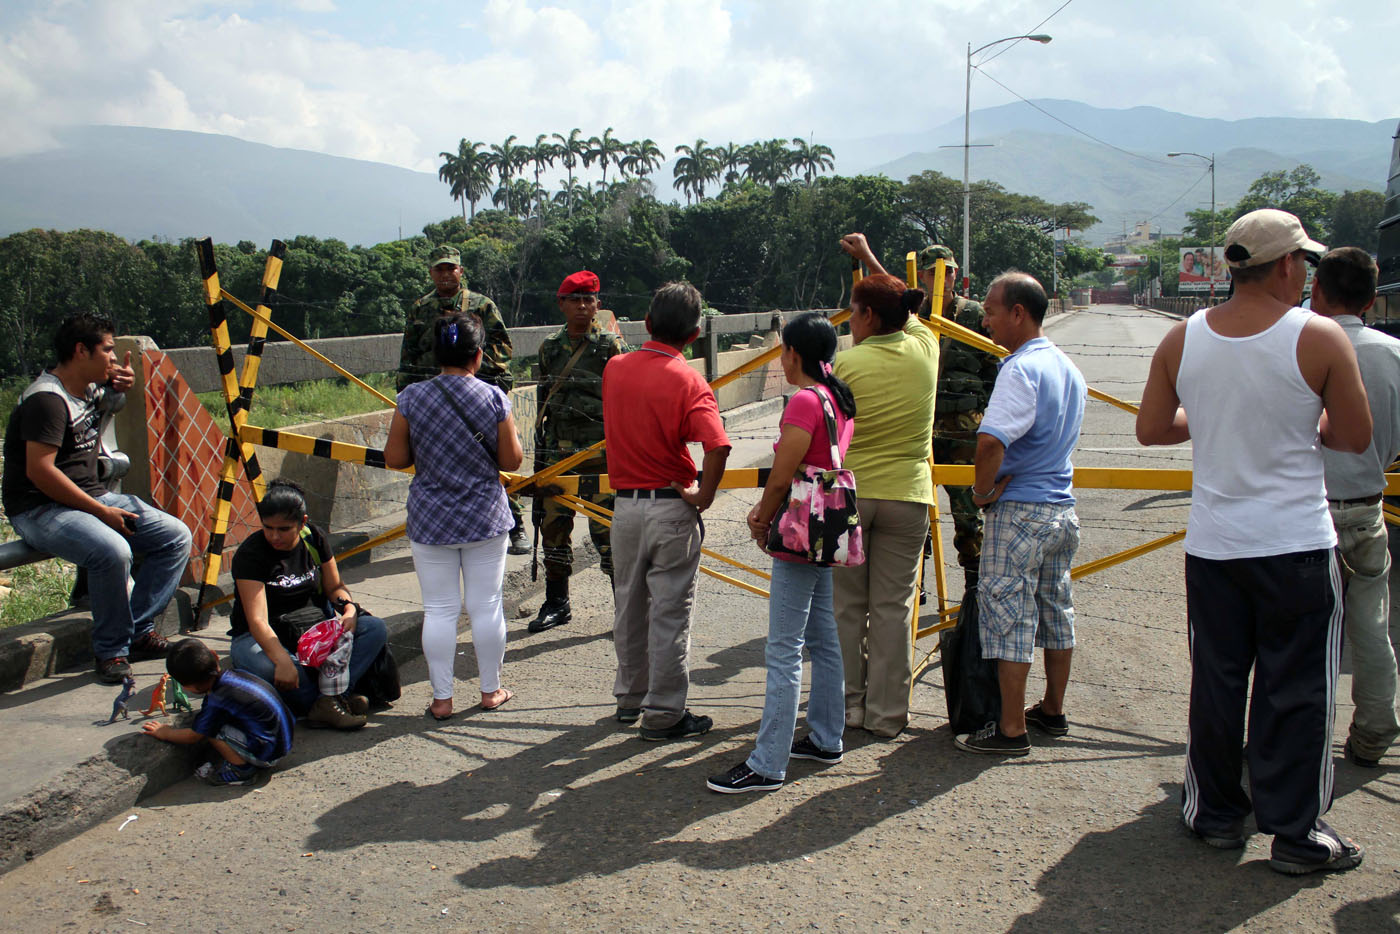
(1263,236)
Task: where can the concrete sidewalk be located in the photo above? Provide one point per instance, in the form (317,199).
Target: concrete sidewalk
(64,768)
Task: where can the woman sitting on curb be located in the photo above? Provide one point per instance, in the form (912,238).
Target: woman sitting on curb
(285,572)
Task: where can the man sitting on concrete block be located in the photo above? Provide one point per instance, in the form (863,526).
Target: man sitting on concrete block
(56,502)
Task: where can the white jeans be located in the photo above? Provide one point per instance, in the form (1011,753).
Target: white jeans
(453,578)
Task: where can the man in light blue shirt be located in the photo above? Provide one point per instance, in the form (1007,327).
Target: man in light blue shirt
(1343,290)
(1024,479)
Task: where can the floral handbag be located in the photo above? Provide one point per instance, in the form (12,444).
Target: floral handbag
(817,521)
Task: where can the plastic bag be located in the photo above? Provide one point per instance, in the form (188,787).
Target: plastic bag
(969,680)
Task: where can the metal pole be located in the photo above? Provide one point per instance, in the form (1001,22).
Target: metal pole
(967,190)
(1212,228)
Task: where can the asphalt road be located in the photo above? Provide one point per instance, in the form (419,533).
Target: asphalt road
(547,816)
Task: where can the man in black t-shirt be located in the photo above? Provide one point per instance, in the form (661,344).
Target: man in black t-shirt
(55,501)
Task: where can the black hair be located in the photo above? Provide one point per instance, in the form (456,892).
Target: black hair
(675,312)
(1347,278)
(85,329)
(456,339)
(813,338)
(192,662)
(889,299)
(1245,275)
(284,500)
(1019,288)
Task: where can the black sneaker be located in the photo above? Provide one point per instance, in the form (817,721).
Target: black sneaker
(1349,858)
(150,645)
(113,670)
(1231,838)
(628,714)
(1349,751)
(804,748)
(519,543)
(1054,724)
(687,725)
(740,779)
(991,741)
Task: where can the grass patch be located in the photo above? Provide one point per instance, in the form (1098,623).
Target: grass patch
(312,401)
(36,589)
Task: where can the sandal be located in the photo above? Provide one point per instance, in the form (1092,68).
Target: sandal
(500,703)
(428,712)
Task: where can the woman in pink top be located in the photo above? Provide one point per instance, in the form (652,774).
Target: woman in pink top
(799,602)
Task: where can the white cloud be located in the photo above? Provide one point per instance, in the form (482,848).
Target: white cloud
(400,90)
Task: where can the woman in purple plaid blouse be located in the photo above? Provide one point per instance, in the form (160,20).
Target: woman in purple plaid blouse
(457,432)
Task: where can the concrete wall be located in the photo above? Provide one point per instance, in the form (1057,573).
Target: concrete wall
(285,362)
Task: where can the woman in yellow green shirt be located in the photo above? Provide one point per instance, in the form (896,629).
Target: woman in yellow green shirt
(893,372)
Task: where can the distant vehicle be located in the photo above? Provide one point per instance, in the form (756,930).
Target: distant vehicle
(1388,252)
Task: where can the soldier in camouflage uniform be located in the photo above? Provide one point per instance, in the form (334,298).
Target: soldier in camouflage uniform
(569,418)
(416,361)
(965,378)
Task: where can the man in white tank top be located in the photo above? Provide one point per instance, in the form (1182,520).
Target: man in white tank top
(1259,386)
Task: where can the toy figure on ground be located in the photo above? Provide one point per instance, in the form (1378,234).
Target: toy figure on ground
(157,698)
(119,705)
(178,700)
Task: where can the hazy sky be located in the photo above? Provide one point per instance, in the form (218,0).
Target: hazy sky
(374,81)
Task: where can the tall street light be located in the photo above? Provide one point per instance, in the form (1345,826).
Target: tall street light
(1210,159)
(967,124)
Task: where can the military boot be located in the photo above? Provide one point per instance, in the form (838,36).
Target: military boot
(555,609)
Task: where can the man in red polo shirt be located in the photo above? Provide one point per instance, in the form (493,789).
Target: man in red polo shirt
(653,405)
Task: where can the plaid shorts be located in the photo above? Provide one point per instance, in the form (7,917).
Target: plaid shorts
(1023,591)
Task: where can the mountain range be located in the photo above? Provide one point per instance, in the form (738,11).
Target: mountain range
(141,182)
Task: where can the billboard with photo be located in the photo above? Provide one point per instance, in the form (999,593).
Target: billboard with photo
(1196,271)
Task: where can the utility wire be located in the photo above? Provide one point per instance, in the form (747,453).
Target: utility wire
(1084,133)
(1034,29)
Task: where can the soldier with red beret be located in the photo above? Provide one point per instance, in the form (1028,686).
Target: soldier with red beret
(569,418)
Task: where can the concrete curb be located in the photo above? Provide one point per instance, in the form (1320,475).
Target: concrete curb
(129,769)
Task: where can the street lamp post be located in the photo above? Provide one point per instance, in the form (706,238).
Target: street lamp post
(967,125)
(1210,159)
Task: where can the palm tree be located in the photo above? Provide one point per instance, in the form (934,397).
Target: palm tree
(505,159)
(468,172)
(811,158)
(694,169)
(730,158)
(542,154)
(604,149)
(572,148)
(642,158)
(769,162)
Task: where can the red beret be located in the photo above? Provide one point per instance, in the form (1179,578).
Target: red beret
(581,281)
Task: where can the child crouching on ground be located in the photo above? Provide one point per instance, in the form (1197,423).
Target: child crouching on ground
(243,718)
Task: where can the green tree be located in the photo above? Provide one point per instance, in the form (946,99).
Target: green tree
(468,172)
(811,158)
(572,150)
(1355,215)
(692,170)
(604,150)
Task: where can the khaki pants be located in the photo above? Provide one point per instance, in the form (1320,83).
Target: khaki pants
(656,554)
(874,604)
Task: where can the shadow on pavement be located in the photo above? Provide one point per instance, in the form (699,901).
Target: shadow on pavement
(632,818)
(1171,882)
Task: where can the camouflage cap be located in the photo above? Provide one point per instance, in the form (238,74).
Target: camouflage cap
(930,255)
(445,254)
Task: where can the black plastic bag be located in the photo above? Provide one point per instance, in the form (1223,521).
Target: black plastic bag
(381,682)
(969,680)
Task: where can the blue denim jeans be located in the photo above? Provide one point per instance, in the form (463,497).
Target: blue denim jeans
(119,613)
(247,655)
(799,611)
